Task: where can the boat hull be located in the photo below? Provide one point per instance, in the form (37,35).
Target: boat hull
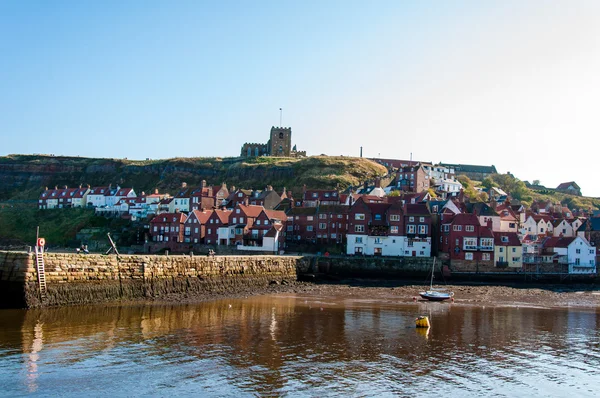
(436,296)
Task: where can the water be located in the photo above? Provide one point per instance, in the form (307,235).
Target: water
(299,346)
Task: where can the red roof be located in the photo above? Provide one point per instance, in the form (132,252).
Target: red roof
(251,210)
(168,217)
(276,214)
(558,242)
(465,219)
(202,216)
(223,215)
(506,239)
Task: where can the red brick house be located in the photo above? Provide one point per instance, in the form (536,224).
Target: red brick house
(195,226)
(242,218)
(464,238)
(412,179)
(217,231)
(302,224)
(168,227)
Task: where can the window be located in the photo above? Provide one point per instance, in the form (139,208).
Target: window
(359,228)
(195,230)
(257,222)
(487,242)
(394,217)
(290,228)
(410,229)
(457,227)
(504,239)
(322,216)
(446,228)
(421,219)
(359,216)
(358,239)
(422,229)
(378,241)
(468,256)
(469,228)
(514,249)
(410,243)
(422,253)
(485,256)
(315,195)
(309,218)
(237,211)
(578,251)
(470,243)
(501,250)
(515,259)
(241,220)
(322,225)
(591,251)
(209,231)
(234,220)
(309,228)
(377,217)
(394,229)
(411,219)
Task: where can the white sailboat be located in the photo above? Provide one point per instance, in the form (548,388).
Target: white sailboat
(435,294)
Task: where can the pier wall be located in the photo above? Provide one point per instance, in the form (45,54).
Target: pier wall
(94,278)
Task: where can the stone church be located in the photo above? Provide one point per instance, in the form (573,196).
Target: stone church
(279,144)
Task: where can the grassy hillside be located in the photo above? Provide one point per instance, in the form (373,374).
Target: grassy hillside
(22,177)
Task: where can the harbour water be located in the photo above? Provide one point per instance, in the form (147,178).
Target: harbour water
(299,346)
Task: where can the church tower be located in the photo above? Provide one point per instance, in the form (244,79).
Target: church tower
(280,143)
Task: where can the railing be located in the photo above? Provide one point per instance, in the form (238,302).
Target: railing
(470,247)
(486,248)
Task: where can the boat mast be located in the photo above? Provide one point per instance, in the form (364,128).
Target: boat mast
(432,271)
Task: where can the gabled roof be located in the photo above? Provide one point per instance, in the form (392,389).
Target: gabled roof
(201,216)
(276,215)
(482,209)
(271,233)
(223,215)
(251,210)
(123,191)
(566,185)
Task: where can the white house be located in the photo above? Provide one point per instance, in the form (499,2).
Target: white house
(577,252)
(563,228)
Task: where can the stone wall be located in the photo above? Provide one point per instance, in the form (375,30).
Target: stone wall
(369,267)
(79,278)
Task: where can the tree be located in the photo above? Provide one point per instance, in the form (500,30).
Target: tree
(536,182)
(488,182)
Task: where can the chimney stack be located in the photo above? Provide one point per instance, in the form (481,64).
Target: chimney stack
(184,185)
(203,183)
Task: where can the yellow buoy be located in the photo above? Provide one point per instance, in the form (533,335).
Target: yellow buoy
(422,322)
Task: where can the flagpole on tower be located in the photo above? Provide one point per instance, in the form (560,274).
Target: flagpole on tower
(280,117)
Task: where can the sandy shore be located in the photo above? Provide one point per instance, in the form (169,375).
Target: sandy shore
(549,296)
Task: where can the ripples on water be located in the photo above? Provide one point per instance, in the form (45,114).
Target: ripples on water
(299,346)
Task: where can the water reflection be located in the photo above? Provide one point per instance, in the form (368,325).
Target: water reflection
(300,346)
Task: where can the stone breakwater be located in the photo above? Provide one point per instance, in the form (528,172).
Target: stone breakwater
(93,278)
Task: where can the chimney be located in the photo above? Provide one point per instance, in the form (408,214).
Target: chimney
(489,223)
(378,182)
(56,187)
(184,185)
(366,185)
(66,187)
(304,188)
(46,188)
(79,186)
(233,188)
(223,185)
(156,191)
(89,186)
(361,151)
(269,188)
(203,183)
(246,201)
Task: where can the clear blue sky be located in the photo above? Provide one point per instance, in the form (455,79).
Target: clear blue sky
(510,83)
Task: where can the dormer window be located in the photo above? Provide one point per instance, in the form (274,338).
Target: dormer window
(505,239)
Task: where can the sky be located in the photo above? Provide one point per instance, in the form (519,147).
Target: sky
(511,83)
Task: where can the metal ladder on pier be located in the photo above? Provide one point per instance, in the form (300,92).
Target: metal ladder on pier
(41,272)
